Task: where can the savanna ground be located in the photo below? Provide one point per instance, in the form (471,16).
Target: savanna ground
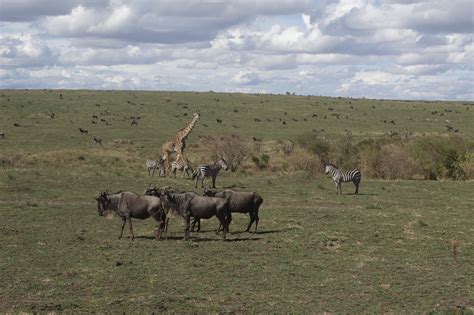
(399,246)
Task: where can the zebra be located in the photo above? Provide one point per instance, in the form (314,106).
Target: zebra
(340,176)
(152,165)
(205,170)
(181,164)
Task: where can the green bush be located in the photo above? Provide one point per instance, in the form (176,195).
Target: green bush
(262,161)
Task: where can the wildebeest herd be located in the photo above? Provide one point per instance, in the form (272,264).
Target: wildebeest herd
(160,204)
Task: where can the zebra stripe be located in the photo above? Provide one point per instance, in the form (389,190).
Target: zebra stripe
(181,164)
(205,170)
(341,176)
(152,166)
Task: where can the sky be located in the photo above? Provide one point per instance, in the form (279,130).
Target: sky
(393,49)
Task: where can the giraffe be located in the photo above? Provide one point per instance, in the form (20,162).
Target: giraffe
(177,144)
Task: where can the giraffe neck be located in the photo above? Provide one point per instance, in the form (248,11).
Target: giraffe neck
(186,130)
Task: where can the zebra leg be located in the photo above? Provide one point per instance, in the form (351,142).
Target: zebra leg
(357,188)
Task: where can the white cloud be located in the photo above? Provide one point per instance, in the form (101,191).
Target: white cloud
(246,78)
(393,48)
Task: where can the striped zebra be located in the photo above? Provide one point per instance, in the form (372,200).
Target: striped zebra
(205,170)
(153,165)
(181,164)
(340,176)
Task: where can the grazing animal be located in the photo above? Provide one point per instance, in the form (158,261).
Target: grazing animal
(239,202)
(153,191)
(129,205)
(219,121)
(97,140)
(83,131)
(188,204)
(181,164)
(340,176)
(178,143)
(153,165)
(134,122)
(205,170)
(2,135)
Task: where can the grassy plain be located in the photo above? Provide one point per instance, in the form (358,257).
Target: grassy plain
(400,246)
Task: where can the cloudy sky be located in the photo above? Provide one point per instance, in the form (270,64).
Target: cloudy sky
(400,49)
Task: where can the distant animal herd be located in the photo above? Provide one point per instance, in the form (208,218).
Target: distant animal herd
(161,204)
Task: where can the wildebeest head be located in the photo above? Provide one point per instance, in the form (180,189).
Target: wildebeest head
(167,199)
(103,202)
(209,192)
(152,191)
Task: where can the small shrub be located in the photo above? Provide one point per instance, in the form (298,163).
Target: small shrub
(262,161)
(233,148)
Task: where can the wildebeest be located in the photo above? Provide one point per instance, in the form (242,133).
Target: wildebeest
(187,205)
(83,131)
(153,191)
(2,135)
(129,205)
(97,141)
(240,202)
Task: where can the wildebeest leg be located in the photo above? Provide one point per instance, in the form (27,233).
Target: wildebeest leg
(197,179)
(187,218)
(252,219)
(130,226)
(222,221)
(202,182)
(193,225)
(123,225)
(256,221)
(160,218)
(214,182)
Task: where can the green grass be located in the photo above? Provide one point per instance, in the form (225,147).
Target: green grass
(400,246)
